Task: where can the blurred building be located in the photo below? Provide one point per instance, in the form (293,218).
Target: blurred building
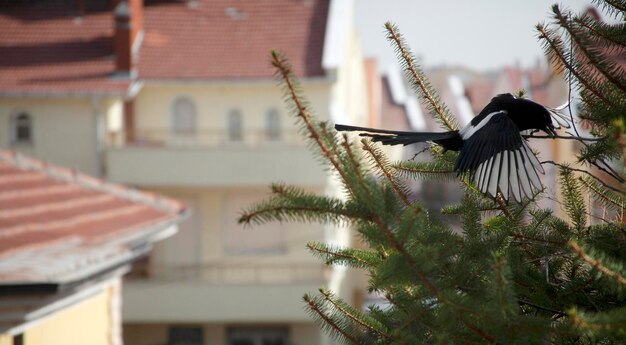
(178,97)
(67,239)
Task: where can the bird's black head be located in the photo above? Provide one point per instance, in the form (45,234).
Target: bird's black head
(525,113)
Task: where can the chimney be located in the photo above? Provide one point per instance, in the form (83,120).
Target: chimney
(126,42)
(80,8)
(128,28)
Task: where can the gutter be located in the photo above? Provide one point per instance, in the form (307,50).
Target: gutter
(232,81)
(132,90)
(67,94)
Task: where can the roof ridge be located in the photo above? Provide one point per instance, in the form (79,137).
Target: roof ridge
(56,224)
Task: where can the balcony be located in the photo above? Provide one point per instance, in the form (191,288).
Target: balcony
(212,158)
(223,293)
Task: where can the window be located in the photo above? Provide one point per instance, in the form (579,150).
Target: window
(258,336)
(185,336)
(22,128)
(235,125)
(184,116)
(272,125)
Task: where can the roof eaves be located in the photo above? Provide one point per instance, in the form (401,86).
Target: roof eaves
(51,304)
(135,245)
(69,282)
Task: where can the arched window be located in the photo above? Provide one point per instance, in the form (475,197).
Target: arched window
(22,128)
(183,116)
(272,125)
(235,125)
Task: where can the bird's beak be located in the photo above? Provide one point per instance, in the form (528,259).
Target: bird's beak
(550,130)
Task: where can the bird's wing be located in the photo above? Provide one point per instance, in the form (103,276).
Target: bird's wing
(498,159)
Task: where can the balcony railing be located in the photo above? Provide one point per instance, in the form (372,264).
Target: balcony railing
(208,138)
(247,274)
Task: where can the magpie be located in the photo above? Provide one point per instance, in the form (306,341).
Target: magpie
(493,152)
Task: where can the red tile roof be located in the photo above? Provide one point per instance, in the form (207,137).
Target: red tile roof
(393,115)
(49,50)
(479,94)
(232,39)
(56,224)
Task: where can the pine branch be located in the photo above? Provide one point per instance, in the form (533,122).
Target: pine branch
(328,321)
(573,198)
(586,172)
(502,206)
(346,256)
(611,324)
(613,36)
(537,306)
(481,333)
(426,170)
(597,264)
(284,71)
(294,204)
(538,240)
(610,74)
(418,78)
(556,51)
(359,318)
(351,158)
(603,194)
(383,165)
(614,7)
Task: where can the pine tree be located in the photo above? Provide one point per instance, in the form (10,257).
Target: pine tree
(516,274)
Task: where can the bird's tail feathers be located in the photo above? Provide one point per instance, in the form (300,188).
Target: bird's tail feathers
(389,137)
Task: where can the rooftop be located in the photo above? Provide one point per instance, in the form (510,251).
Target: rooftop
(58,226)
(51,50)
(223,39)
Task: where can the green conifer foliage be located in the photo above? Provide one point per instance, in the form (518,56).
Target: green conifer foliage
(516,273)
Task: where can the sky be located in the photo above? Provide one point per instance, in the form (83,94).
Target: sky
(480,34)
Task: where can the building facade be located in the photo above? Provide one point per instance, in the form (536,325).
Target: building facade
(179,98)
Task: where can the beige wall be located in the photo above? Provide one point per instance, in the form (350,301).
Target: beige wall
(64,129)
(6,339)
(213,217)
(88,322)
(349,93)
(153,104)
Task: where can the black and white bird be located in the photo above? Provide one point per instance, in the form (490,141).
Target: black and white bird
(493,152)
